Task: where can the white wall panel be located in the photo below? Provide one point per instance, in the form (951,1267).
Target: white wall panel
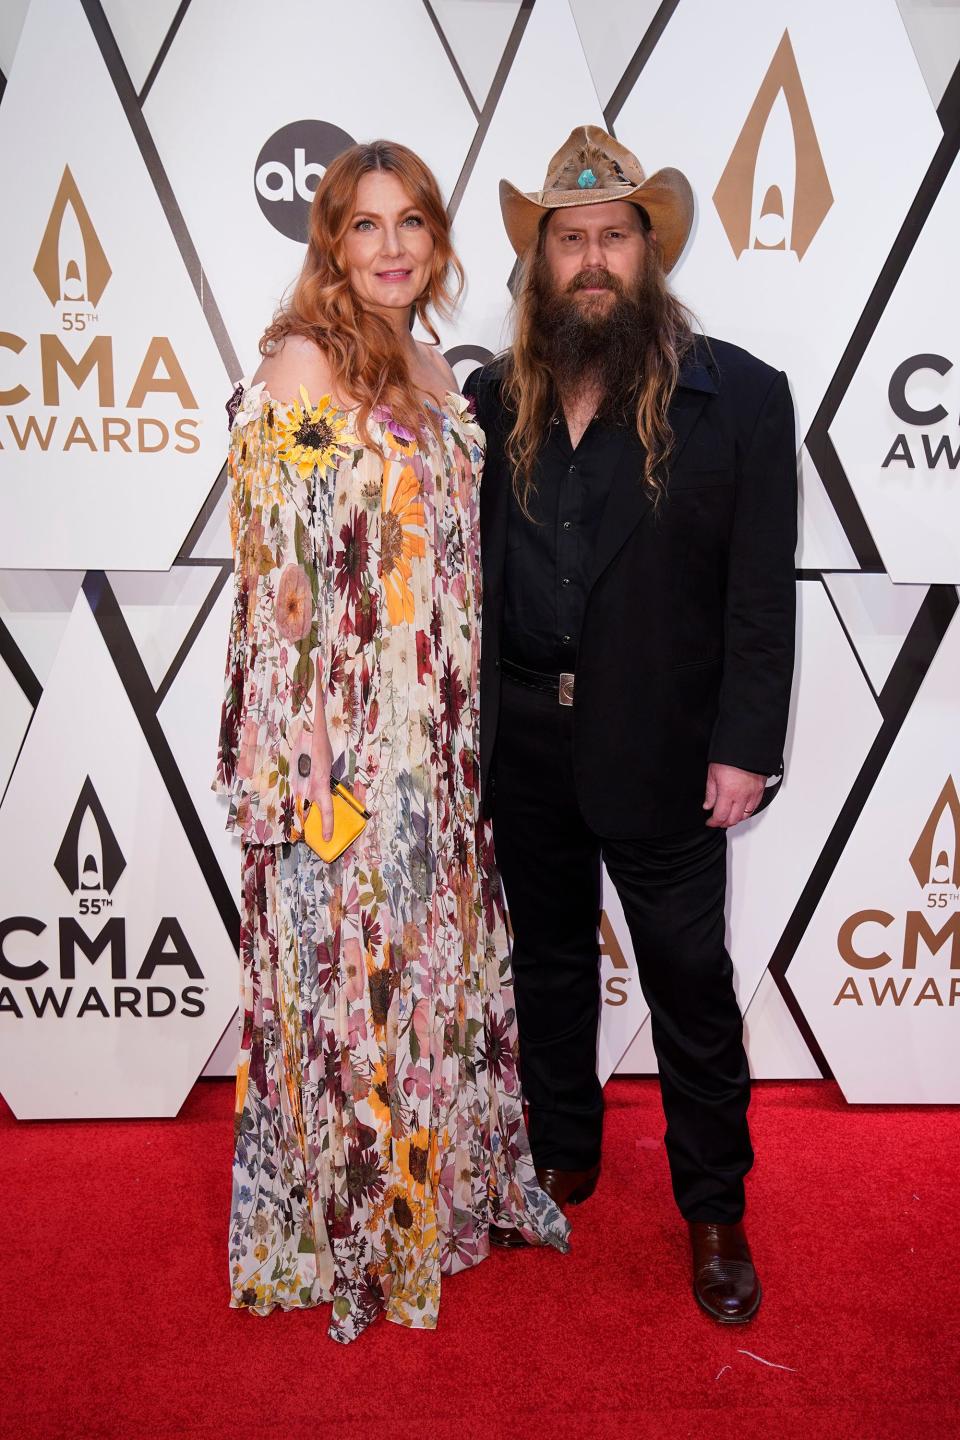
(521,138)
(775,1048)
(877,616)
(139,31)
(212,166)
(897,431)
(934,30)
(12,15)
(821,543)
(477,32)
(35,606)
(113,385)
(118,976)
(15,715)
(609,35)
(795,305)
(160,609)
(878,970)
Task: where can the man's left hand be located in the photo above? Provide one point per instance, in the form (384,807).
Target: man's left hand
(732,795)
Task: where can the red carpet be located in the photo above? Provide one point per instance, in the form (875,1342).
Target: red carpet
(116,1321)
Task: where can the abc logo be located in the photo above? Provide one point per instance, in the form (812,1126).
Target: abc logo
(289,169)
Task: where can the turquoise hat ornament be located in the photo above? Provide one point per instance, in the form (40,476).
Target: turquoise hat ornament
(593,168)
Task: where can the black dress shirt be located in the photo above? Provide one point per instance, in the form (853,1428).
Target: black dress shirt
(549,560)
(686,650)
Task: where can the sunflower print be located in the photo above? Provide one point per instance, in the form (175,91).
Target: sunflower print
(379,1127)
(379,1093)
(401,542)
(313,437)
(416,1157)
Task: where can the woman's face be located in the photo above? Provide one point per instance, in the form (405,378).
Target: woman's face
(388,247)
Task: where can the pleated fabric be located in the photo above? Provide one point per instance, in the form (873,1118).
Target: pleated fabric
(379,1126)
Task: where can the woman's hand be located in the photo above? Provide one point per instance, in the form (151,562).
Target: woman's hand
(316,761)
(310,772)
(318,784)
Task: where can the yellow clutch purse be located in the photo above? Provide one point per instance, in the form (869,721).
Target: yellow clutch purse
(349,818)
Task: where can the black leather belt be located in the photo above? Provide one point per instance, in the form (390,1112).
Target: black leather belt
(560,686)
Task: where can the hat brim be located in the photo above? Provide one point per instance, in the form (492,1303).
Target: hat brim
(667,198)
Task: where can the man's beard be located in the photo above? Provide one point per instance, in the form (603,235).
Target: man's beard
(595,343)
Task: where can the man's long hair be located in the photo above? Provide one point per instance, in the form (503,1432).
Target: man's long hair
(640,351)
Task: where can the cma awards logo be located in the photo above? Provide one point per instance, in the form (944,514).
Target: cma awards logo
(774,193)
(290,167)
(91,863)
(872,940)
(77,355)
(917,446)
(71,264)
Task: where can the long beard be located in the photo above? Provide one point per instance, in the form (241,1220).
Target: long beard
(595,344)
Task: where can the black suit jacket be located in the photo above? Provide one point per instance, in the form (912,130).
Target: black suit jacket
(686,652)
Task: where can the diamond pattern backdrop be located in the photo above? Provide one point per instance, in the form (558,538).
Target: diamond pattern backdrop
(822,148)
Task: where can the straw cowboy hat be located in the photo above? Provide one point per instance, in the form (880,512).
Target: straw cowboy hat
(589,169)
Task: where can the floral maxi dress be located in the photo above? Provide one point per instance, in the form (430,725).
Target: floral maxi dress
(379,1128)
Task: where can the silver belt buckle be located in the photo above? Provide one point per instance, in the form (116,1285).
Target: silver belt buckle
(566,688)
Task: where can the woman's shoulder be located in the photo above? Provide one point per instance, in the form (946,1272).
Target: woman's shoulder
(292,387)
(295,364)
(286,422)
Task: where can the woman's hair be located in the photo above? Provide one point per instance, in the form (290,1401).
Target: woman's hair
(531,393)
(360,346)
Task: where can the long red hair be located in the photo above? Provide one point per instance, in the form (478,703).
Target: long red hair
(360,346)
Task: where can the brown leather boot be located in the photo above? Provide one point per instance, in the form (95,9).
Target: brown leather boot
(725,1282)
(569,1187)
(565,1187)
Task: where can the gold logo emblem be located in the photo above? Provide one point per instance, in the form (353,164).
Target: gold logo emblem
(774,192)
(863,937)
(71,264)
(935,859)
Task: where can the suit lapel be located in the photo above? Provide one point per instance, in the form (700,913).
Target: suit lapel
(627,504)
(629,500)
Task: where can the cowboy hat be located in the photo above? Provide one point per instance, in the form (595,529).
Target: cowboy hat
(591,168)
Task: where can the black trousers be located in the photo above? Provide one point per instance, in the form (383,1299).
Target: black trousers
(672,890)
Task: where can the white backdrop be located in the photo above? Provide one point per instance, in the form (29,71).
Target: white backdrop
(157,174)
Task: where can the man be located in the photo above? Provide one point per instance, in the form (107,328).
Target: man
(638,517)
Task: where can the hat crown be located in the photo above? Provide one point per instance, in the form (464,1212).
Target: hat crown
(591,152)
(592,168)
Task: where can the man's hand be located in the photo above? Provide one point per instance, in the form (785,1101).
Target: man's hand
(732,795)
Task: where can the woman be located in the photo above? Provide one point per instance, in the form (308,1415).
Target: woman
(379,1125)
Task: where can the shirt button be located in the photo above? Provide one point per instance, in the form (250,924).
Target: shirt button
(566,524)
(566,639)
(565,581)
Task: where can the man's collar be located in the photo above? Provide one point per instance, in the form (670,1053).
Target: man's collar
(695,375)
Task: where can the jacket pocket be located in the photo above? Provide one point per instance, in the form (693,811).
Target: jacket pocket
(695,664)
(687,479)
